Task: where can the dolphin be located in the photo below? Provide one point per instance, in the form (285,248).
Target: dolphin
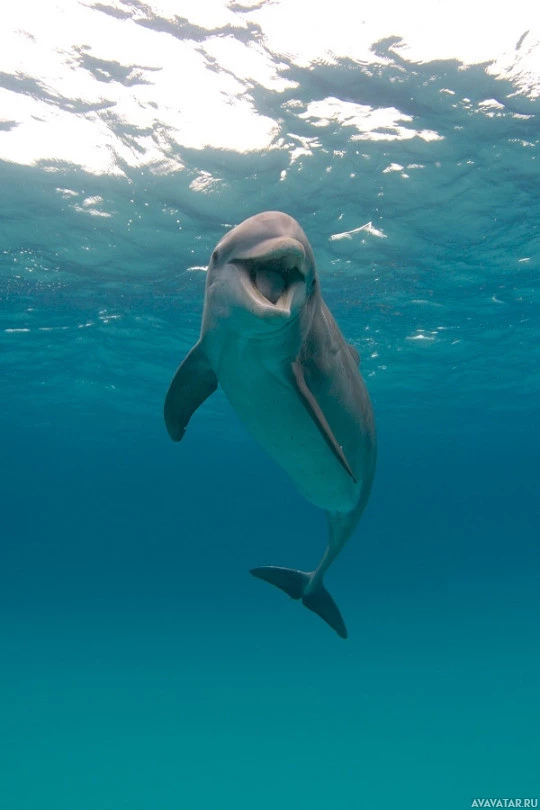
(270,341)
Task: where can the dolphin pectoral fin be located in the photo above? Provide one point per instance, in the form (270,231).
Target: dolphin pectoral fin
(193,382)
(294,583)
(318,417)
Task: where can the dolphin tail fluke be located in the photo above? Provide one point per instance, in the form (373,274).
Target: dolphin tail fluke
(295,583)
(321,603)
(289,580)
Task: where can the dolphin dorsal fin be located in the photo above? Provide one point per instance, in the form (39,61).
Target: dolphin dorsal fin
(318,417)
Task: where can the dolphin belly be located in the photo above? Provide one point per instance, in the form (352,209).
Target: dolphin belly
(271,410)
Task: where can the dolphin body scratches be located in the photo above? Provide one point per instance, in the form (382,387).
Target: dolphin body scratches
(270,341)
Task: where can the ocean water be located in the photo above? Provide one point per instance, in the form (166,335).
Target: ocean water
(141,666)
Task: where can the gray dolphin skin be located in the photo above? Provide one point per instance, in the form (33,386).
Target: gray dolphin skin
(270,341)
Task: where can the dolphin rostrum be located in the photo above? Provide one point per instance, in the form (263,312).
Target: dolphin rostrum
(270,341)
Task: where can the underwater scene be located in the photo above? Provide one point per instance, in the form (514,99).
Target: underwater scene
(334,210)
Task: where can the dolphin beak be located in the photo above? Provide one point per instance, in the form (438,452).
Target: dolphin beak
(274,268)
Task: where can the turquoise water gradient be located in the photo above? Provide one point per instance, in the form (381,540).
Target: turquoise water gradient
(141,666)
(145,668)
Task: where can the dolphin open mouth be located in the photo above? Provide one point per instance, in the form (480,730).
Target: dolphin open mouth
(275,270)
(273,278)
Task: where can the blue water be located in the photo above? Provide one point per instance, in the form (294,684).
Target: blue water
(141,666)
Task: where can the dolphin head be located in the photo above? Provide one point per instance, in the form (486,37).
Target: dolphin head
(262,273)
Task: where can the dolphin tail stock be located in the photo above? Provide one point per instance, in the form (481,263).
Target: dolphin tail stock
(295,584)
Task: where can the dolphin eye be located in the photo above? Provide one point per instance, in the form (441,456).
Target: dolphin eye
(215,256)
